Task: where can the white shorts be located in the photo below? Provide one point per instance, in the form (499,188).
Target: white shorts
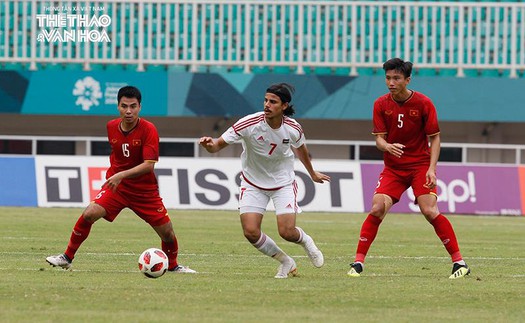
(255,200)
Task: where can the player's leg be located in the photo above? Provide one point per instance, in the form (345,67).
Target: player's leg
(80,233)
(151,209)
(170,246)
(251,226)
(389,188)
(444,230)
(252,204)
(286,208)
(427,200)
(381,203)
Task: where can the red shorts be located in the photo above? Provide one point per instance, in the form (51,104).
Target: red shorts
(148,206)
(394,182)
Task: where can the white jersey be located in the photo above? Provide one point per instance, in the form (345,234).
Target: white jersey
(267,157)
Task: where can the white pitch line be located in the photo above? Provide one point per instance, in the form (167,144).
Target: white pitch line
(206,255)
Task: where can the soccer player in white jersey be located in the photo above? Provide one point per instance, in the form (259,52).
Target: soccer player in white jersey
(269,139)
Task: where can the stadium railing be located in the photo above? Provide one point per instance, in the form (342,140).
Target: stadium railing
(338,37)
(464,153)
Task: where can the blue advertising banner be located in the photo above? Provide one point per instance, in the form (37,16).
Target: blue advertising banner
(18,181)
(92,93)
(175,94)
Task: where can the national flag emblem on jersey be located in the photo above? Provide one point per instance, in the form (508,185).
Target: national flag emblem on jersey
(286,141)
(136,142)
(414,113)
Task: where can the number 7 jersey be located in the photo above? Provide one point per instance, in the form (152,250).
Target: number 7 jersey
(267,157)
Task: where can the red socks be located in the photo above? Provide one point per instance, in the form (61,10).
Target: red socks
(368,234)
(446,234)
(171,250)
(79,234)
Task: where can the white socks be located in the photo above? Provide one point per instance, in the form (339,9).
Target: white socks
(267,246)
(304,238)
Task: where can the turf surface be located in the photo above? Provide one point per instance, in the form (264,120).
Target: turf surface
(405,278)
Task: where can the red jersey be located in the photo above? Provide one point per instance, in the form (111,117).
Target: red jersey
(131,149)
(408,123)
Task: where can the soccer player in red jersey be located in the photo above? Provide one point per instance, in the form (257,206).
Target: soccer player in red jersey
(405,122)
(130,182)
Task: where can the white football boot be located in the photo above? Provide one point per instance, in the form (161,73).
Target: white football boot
(183,270)
(287,268)
(59,261)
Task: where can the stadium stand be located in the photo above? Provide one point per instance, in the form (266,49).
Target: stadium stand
(327,37)
(472,39)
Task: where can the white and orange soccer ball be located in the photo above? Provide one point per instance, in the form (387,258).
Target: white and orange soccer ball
(153,263)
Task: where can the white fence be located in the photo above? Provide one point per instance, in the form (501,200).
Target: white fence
(297,36)
(468,153)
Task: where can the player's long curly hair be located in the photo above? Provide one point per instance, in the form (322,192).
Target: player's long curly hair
(399,65)
(284,91)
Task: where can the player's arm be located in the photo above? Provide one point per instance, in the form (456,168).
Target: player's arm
(395,149)
(304,157)
(435,148)
(146,167)
(212,145)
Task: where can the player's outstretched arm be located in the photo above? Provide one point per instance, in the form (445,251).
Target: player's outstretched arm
(212,145)
(304,157)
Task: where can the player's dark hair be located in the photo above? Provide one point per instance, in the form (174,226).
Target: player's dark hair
(399,65)
(129,91)
(284,91)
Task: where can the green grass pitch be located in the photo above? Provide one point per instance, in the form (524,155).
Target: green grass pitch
(405,279)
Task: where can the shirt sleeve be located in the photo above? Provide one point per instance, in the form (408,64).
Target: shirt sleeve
(151,145)
(431,122)
(378,120)
(230,136)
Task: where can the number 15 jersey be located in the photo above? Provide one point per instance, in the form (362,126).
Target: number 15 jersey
(267,157)
(132,148)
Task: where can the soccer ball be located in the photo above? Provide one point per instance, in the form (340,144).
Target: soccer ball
(153,263)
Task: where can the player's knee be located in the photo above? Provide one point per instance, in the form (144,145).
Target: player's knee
(252,234)
(288,234)
(92,214)
(430,212)
(378,210)
(168,236)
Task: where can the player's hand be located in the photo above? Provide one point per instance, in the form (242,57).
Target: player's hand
(113,182)
(431,179)
(206,143)
(395,149)
(320,177)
